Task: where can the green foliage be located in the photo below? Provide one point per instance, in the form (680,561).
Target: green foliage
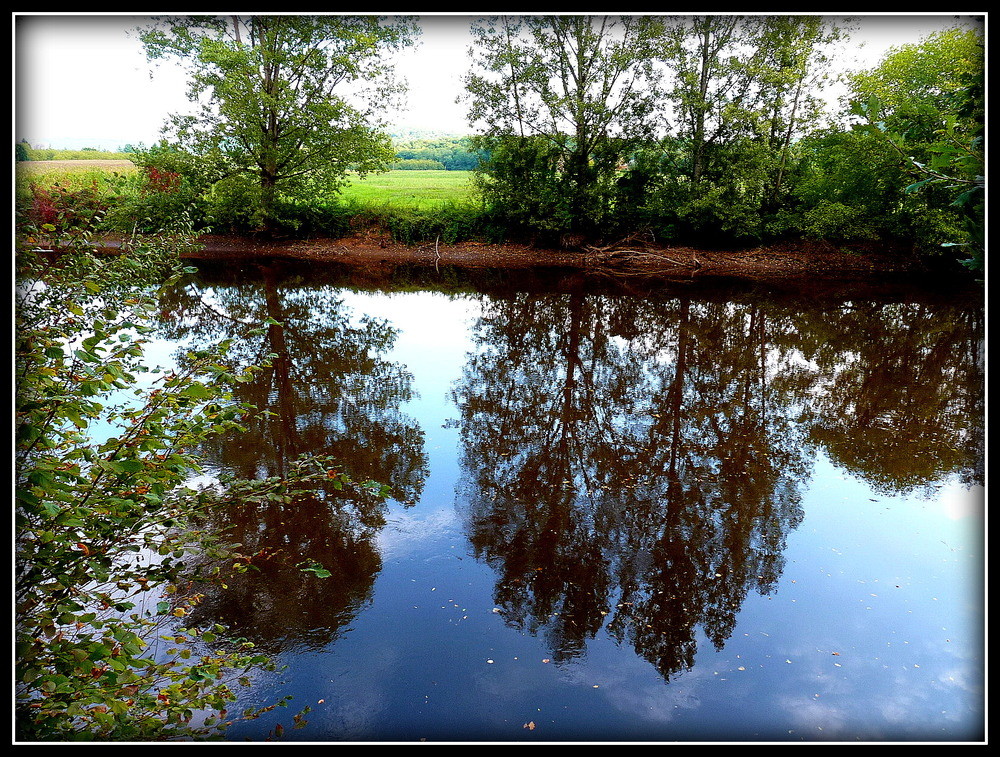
(200,171)
(522,183)
(60,210)
(105,518)
(448,223)
(916,84)
(414,164)
(561,101)
(273,110)
(926,103)
(724,207)
(235,203)
(452,153)
(834,221)
(167,188)
(745,92)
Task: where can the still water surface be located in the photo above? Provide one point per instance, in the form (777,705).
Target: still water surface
(645,512)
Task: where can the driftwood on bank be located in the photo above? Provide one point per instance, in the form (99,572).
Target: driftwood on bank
(633,255)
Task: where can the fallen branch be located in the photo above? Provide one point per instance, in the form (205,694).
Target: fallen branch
(618,258)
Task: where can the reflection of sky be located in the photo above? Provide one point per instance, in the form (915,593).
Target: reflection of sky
(870,631)
(873,630)
(432,343)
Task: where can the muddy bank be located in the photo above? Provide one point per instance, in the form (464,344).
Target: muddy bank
(364,250)
(798,265)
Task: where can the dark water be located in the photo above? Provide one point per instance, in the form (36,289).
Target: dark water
(633,512)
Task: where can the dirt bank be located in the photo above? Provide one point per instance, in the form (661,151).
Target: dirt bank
(785,262)
(805,268)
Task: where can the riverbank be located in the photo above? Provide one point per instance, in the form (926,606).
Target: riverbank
(784,262)
(800,264)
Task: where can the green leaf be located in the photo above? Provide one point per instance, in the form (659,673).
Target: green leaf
(197,391)
(917,185)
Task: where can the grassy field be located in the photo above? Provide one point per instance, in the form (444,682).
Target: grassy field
(411,189)
(40,167)
(72,174)
(414,189)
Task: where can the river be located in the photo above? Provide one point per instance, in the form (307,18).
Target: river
(620,511)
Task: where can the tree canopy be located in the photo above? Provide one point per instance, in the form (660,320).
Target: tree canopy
(927,104)
(289,103)
(579,89)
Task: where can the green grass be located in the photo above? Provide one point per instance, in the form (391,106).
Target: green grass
(48,154)
(413,204)
(415,190)
(421,190)
(72,174)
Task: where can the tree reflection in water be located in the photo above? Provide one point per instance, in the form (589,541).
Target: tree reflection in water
(630,465)
(327,390)
(635,464)
(903,404)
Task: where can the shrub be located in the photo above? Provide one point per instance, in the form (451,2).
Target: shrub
(104,516)
(836,222)
(449,223)
(152,206)
(65,209)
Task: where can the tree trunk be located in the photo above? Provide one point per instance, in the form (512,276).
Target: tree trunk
(698,148)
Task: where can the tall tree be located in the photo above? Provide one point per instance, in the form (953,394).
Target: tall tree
(580,89)
(739,77)
(711,81)
(795,51)
(743,89)
(288,102)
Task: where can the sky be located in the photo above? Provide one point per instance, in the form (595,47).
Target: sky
(82,80)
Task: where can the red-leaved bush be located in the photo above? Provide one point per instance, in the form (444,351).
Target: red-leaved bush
(161,182)
(64,208)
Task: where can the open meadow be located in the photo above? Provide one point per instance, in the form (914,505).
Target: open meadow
(416,189)
(420,190)
(71,174)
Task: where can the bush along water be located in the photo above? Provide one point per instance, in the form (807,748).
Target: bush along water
(106,516)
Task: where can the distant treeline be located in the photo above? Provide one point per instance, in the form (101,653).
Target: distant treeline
(439,153)
(25,152)
(448,153)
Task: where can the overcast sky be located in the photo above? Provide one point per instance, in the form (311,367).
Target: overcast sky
(82,81)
